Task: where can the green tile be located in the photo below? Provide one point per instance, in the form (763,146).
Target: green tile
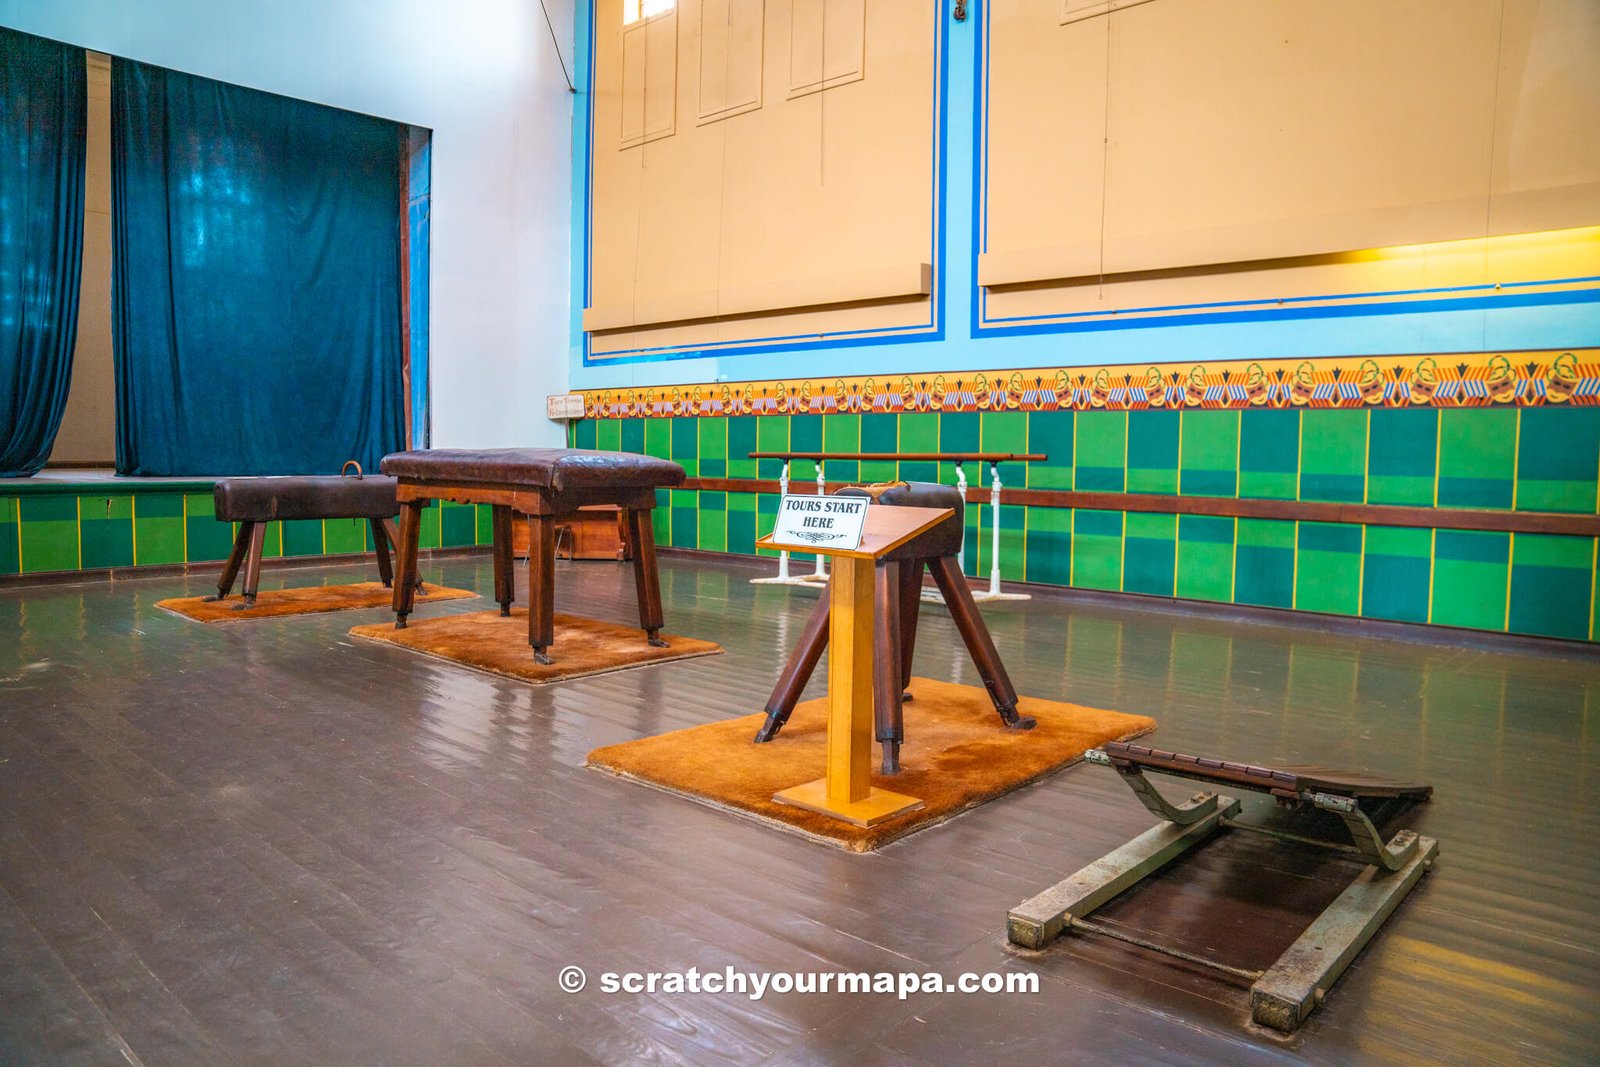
(959,431)
(347,536)
(1210,455)
(661,523)
(583,433)
(207,539)
(428,533)
(9,563)
(633,436)
(1551,584)
(106,529)
(483,525)
(1153,452)
(1328,570)
(1333,456)
(457,526)
(1049,545)
(805,433)
(158,529)
(919,432)
(712,447)
(1096,547)
(1402,461)
(1269,454)
(766,518)
(1477,457)
(47,530)
(880,432)
(712,518)
(742,442)
(1100,451)
(1470,572)
(685,443)
(1396,570)
(303,537)
(608,435)
(1558,460)
(1150,552)
(1264,568)
(742,522)
(1205,557)
(1003,431)
(1050,434)
(658,438)
(772,435)
(842,433)
(685,519)
(1013,533)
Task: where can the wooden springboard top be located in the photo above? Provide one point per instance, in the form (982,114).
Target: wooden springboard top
(1281,781)
(887,527)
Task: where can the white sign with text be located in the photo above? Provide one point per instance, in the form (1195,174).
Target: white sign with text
(821,522)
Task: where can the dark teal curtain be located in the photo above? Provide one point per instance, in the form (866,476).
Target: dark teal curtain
(42,132)
(256,279)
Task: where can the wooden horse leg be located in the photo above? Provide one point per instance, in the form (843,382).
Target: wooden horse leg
(910,605)
(380,545)
(964,611)
(230,571)
(541,583)
(646,579)
(405,589)
(887,664)
(797,672)
(505,575)
(252,566)
(393,531)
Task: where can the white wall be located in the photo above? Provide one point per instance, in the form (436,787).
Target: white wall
(483,75)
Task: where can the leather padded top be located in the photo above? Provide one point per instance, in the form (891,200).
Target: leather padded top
(308,497)
(944,539)
(1291,780)
(544,468)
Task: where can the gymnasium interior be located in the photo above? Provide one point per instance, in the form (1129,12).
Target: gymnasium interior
(799,532)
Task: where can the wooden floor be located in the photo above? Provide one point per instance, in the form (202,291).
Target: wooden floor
(265,843)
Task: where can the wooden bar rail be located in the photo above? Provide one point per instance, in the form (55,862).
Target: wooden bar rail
(908,457)
(1544,522)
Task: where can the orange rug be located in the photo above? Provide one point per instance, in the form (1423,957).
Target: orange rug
(488,641)
(311,600)
(956,756)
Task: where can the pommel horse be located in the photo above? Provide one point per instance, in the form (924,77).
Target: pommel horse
(898,594)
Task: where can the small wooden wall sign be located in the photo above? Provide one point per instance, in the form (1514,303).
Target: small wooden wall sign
(820,522)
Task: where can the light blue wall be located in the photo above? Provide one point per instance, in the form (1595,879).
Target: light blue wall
(1355,331)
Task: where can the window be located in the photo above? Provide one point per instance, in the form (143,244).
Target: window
(639,10)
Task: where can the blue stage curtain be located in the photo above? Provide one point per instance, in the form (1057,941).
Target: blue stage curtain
(42,131)
(256,279)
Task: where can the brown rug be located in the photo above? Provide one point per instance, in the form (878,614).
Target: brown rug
(488,641)
(956,756)
(311,600)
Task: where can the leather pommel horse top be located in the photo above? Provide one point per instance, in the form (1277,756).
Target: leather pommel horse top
(557,469)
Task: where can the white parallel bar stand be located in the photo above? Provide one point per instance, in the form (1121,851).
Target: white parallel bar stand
(784,577)
(993,592)
(931,596)
(821,573)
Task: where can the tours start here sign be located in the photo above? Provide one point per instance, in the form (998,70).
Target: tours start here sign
(821,522)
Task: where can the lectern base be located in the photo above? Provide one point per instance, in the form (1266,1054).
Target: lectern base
(878,806)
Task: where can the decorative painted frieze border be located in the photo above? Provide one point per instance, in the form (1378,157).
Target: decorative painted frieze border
(1472,379)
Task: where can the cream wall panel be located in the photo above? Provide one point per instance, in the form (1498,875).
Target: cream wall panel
(1172,136)
(731,57)
(827,44)
(1546,148)
(649,79)
(765,212)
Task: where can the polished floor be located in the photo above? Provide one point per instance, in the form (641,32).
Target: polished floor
(266,843)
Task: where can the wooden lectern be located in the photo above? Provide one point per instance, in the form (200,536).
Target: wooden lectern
(846,791)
